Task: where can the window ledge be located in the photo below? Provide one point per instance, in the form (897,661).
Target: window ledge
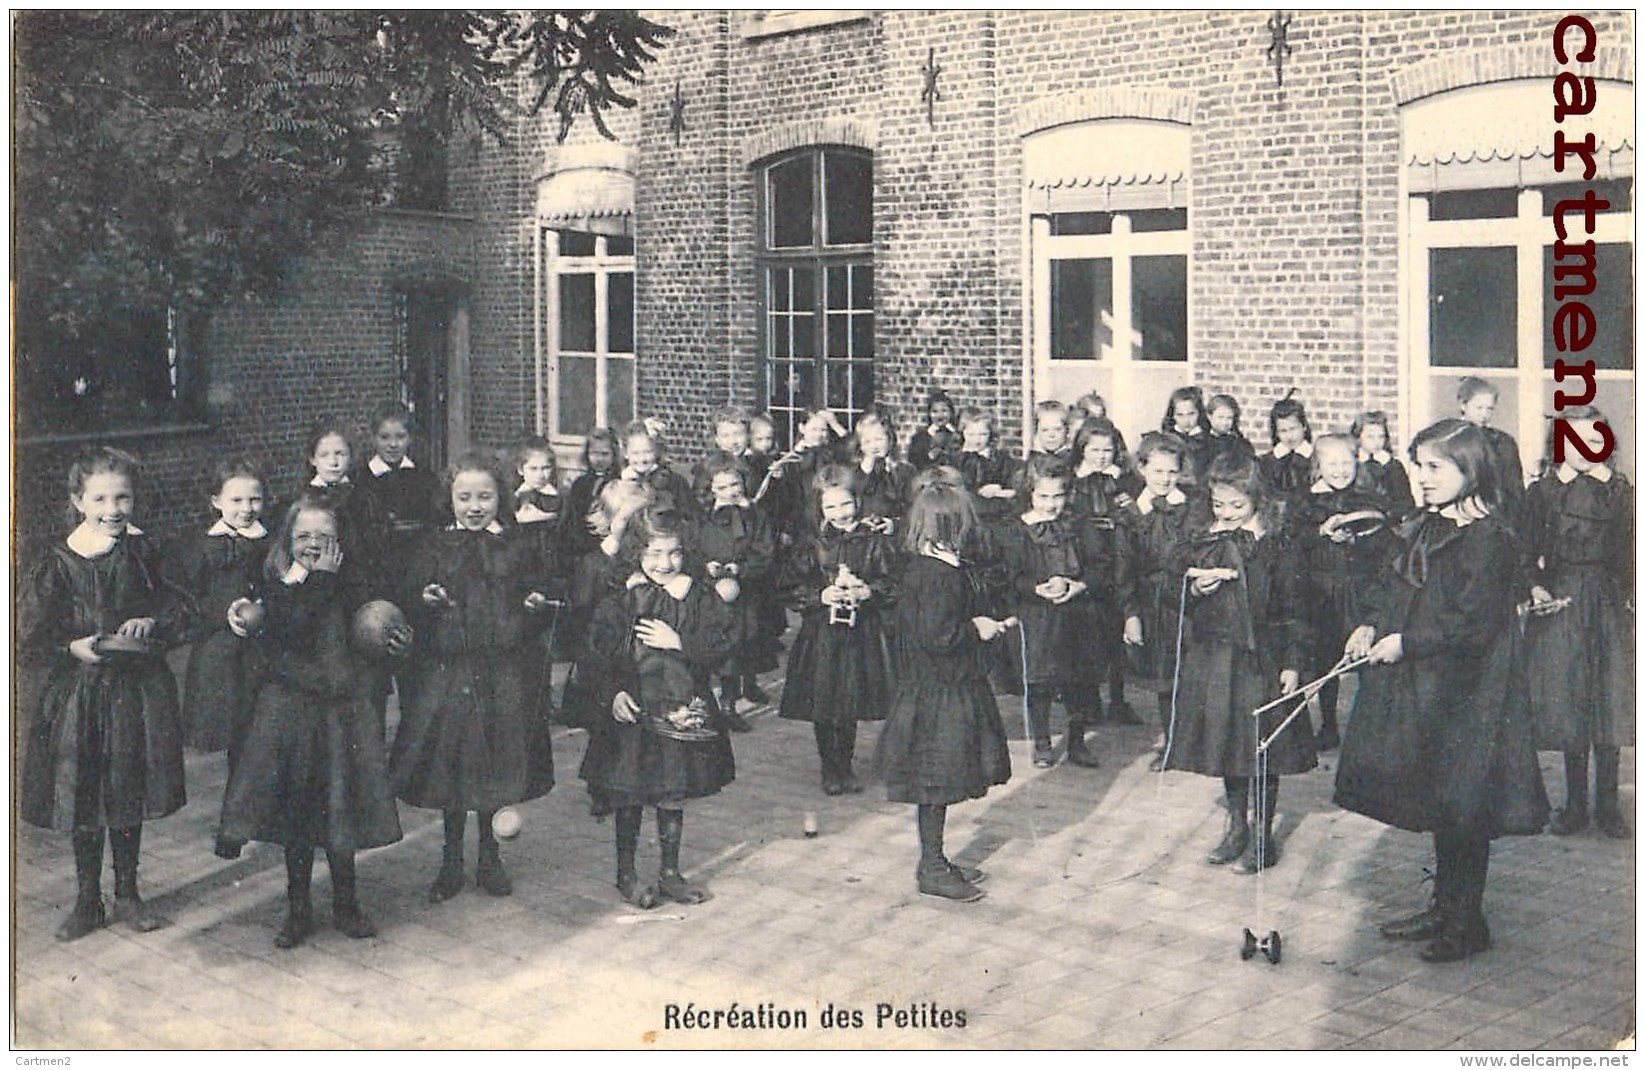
(170,430)
(426,213)
(773,23)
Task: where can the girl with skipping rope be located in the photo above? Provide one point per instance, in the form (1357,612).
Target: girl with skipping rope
(1441,739)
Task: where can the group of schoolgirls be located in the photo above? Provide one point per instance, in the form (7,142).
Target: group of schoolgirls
(296,640)
(1215,576)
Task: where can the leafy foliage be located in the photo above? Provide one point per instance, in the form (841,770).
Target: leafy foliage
(174,159)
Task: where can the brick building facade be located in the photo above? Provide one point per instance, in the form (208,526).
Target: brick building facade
(847,207)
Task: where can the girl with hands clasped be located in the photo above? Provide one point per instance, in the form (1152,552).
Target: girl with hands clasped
(312,771)
(1043,560)
(942,742)
(840,578)
(105,748)
(653,646)
(1244,648)
(1441,739)
(473,735)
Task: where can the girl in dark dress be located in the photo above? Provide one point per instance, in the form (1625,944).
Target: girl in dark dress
(989,472)
(1441,739)
(942,742)
(395,501)
(313,771)
(1339,562)
(1042,559)
(1185,417)
(217,569)
(1103,486)
(733,546)
(643,460)
(1476,403)
(330,459)
(653,647)
(472,736)
(1153,529)
(1289,466)
(773,619)
(105,748)
(882,480)
(1222,413)
(1244,649)
(1379,470)
(840,578)
(601,463)
(1579,544)
(937,442)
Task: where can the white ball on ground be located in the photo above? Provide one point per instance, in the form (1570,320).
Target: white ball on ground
(506,823)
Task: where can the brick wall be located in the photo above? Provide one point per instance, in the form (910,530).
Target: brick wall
(322,350)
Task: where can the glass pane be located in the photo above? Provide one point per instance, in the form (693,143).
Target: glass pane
(805,334)
(1474,204)
(1473,308)
(1159,307)
(577,313)
(1151,219)
(838,343)
(862,286)
(862,336)
(576,243)
(791,384)
(780,282)
(619,245)
(848,180)
(1082,223)
(805,288)
(619,391)
(1611,301)
(576,395)
(619,303)
(1618,192)
(1082,309)
(862,386)
(838,376)
(839,287)
(789,200)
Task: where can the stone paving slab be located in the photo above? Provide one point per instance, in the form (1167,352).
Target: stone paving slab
(1103,928)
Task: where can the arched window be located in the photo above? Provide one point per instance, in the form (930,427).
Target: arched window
(816,265)
(1479,252)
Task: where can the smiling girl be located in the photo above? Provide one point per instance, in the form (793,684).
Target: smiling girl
(471,735)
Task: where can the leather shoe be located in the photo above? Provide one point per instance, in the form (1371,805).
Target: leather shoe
(1454,945)
(1234,842)
(1425,925)
(945,883)
(1121,713)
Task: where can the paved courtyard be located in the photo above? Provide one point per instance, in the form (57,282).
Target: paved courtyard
(1103,928)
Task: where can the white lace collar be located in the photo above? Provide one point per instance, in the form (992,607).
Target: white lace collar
(223,527)
(1145,500)
(90,543)
(493,528)
(677,588)
(1281,451)
(1600,473)
(379,467)
(941,553)
(1380,456)
(322,484)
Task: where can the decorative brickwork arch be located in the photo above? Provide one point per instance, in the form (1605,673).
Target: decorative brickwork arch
(1462,69)
(1123,102)
(857,133)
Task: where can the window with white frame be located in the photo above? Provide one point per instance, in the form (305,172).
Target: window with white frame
(588,294)
(1479,260)
(1107,208)
(816,265)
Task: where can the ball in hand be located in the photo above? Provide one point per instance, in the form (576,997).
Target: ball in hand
(373,625)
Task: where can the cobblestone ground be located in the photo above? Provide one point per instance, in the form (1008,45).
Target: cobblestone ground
(1103,928)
